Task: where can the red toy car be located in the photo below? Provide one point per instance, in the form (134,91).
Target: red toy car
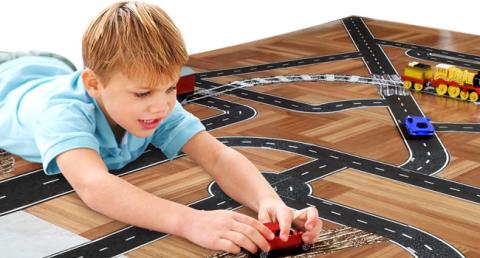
(186,83)
(278,247)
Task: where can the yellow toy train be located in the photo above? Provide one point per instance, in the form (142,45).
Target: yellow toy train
(444,78)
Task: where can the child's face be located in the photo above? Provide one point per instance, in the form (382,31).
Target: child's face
(133,106)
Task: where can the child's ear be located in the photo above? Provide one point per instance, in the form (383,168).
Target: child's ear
(91,82)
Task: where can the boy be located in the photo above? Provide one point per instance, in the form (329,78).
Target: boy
(82,124)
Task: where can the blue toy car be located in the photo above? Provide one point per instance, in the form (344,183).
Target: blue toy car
(418,126)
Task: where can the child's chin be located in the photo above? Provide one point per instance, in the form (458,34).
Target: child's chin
(143,134)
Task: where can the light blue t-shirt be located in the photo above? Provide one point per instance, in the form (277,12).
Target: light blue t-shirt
(45,110)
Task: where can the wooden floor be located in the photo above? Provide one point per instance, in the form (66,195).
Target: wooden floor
(367,132)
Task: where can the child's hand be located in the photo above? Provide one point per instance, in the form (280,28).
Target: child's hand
(227,231)
(306,219)
(274,210)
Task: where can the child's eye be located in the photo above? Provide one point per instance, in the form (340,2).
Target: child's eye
(171,89)
(142,94)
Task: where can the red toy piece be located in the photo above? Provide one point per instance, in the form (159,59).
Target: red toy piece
(186,83)
(278,247)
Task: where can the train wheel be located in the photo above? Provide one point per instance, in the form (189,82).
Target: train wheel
(473,96)
(418,86)
(453,91)
(407,84)
(464,95)
(441,89)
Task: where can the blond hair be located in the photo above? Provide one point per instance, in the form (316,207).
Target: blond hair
(134,38)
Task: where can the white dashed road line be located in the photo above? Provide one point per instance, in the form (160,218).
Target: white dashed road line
(51,181)
(130,238)
(389,230)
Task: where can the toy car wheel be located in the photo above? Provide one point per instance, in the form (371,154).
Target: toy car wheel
(306,247)
(263,254)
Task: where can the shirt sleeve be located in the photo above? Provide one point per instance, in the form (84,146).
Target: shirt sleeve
(175,131)
(64,127)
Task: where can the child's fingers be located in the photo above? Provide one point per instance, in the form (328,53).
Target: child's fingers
(309,237)
(264,217)
(312,218)
(301,215)
(241,240)
(266,232)
(299,218)
(284,218)
(250,234)
(313,225)
(227,246)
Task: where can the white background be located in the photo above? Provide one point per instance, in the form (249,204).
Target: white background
(58,25)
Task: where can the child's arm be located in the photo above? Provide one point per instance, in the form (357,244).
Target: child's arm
(237,176)
(118,199)
(242,181)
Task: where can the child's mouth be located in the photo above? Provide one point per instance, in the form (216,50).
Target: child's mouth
(149,124)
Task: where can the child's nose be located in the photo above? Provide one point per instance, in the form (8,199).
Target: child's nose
(160,108)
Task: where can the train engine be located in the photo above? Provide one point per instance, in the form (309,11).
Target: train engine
(444,78)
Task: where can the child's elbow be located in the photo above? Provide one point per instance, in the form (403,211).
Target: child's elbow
(90,189)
